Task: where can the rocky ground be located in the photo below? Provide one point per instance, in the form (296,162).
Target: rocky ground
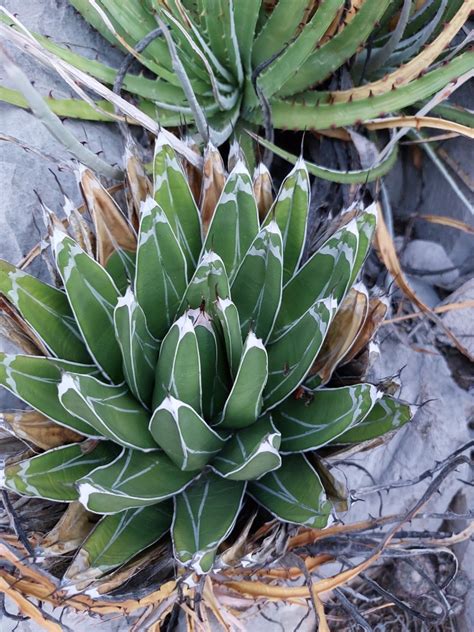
(440,262)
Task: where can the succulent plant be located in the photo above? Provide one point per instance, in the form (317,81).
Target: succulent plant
(187,366)
(225,65)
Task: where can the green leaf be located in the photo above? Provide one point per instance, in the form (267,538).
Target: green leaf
(244,403)
(35,380)
(161,272)
(290,212)
(47,312)
(338,48)
(133,479)
(210,280)
(245,18)
(172,193)
(178,369)
(92,295)
(326,273)
(282,68)
(293,493)
(110,409)
(292,355)
(318,417)
(227,316)
(205,514)
(53,474)
(366,224)
(139,347)
(117,539)
(215,376)
(257,286)
(278,29)
(250,453)
(185,437)
(388,414)
(234,224)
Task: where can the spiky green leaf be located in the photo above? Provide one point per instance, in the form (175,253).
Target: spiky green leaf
(228,317)
(210,281)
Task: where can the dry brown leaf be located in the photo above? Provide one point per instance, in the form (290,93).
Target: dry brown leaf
(447,221)
(27,608)
(139,185)
(15,329)
(323,623)
(419,122)
(111,227)
(388,255)
(441,309)
(68,534)
(37,429)
(213,180)
(343,331)
(263,190)
(378,307)
(193,174)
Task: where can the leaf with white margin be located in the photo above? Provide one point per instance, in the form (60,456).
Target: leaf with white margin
(178,371)
(235,223)
(366,224)
(250,453)
(292,355)
(185,437)
(228,317)
(116,539)
(139,347)
(35,380)
(244,403)
(290,211)
(215,376)
(133,479)
(318,417)
(53,474)
(46,310)
(326,274)
(205,514)
(388,414)
(108,408)
(257,286)
(92,295)
(209,282)
(161,270)
(293,493)
(172,193)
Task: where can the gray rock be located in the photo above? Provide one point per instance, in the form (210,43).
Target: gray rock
(421,257)
(460,322)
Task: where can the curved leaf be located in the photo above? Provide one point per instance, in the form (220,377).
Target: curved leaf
(244,403)
(228,317)
(205,514)
(185,437)
(209,282)
(133,479)
(250,453)
(257,286)
(161,271)
(92,295)
(318,417)
(53,474)
(293,493)
(47,312)
(110,409)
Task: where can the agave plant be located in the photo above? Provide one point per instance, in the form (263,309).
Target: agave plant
(183,372)
(225,65)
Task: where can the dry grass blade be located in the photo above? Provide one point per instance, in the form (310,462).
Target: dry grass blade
(441,309)
(388,255)
(418,122)
(447,221)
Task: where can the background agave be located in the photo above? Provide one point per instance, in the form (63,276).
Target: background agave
(221,65)
(188,362)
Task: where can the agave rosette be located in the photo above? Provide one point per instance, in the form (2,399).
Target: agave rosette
(181,361)
(216,62)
